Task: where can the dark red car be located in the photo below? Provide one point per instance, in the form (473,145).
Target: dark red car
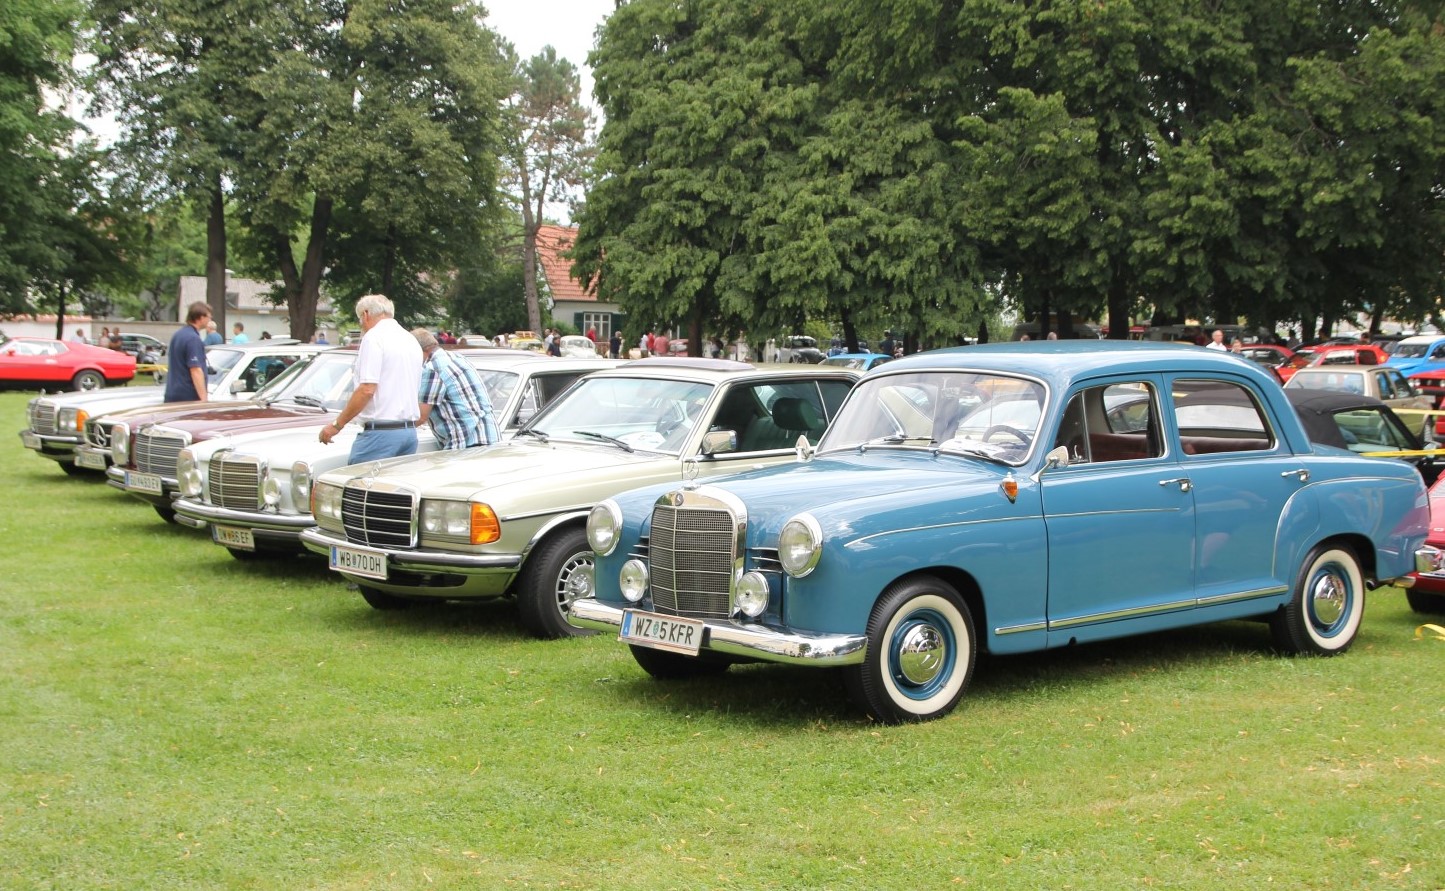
(37,363)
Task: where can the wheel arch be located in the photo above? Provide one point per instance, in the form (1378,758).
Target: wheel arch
(554,525)
(963,582)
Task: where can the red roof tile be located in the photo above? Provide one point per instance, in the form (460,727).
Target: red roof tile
(552,241)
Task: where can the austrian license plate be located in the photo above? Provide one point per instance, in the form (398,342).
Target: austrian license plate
(29,440)
(90,460)
(358,561)
(148,483)
(233,537)
(661,632)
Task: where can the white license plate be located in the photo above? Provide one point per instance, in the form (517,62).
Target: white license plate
(90,460)
(149,483)
(29,440)
(232,537)
(358,561)
(661,632)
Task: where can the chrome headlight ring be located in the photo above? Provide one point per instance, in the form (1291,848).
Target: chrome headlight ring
(604,527)
(800,545)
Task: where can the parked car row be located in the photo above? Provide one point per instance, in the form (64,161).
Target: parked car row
(894,525)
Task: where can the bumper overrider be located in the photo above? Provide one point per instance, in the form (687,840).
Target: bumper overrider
(417,560)
(285,528)
(738,639)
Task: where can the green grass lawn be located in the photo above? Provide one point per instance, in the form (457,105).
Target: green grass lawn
(173,718)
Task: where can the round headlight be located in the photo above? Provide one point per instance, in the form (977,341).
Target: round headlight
(752,594)
(800,545)
(187,476)
(270,491)
(300,483)
(632,579)
(120,444)
(603,525)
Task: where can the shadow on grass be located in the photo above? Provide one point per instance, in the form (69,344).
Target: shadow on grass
(494,619)
(774,694)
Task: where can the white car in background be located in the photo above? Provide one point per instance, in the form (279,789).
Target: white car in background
(55,426)
(254,489)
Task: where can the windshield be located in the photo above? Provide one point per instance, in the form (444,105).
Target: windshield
(644,413)
(980,414)
(1411,350)
(220,361)
(1339,381)
(324,382)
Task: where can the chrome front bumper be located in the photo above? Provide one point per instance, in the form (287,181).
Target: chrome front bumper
(274,526)
(417,560)
(755,641)
(53,446)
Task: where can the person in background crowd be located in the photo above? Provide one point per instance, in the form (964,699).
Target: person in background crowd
(1236,345)
(212,335)
(1024,336)
(659,345)
(388,378)
(319,336)
(78,337)
(265,335)
(642,343)
(554,346)
(1053,335)
(1216,341)
(887,346)
(238,334)
(186,358)
(614,346)
(592,334)
(104,339)
(452,398)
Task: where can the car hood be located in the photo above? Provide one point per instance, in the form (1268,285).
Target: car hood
(109,399)
(905,490)
(252,419)
(168,411)
(524,473)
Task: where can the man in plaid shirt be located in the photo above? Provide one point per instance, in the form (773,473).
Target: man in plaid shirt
(453,398)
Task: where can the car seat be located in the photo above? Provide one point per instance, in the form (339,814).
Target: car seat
(790,416)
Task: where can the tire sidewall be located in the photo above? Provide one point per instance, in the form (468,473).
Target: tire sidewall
(1337,637)
(935,604)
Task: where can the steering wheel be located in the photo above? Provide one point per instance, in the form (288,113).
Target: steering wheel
(1011,431)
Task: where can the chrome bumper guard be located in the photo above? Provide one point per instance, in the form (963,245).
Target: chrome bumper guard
(290,525)
(756,641)
(319,540)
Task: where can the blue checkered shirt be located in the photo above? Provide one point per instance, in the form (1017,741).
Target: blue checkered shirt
(461,414)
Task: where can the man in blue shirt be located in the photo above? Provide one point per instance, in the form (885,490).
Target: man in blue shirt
(453,398)
(238,334)
(213,336)
(186,358)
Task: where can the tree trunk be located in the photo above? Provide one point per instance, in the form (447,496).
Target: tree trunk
(60,312)
(215,259)
(529,269)
(302,307)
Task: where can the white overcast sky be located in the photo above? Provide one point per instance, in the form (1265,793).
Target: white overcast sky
(569,26)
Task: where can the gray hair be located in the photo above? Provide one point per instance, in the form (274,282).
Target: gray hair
(425,338)
(376,304)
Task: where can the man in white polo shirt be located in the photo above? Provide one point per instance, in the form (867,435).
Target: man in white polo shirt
(388,375)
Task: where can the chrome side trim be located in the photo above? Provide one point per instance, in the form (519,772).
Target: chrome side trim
(1019,629)
(1242,595)
(755,641)
(1135,612)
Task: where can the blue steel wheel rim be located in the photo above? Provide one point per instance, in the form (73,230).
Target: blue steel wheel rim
(921,627)
(1329,600)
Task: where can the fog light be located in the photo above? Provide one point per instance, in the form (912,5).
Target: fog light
(270,491)
(632,579)
(752,594)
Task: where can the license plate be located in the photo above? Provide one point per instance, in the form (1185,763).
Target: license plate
(358,561)
(232,537)
(661,632)
(91,460)
(29,440)
(149,483)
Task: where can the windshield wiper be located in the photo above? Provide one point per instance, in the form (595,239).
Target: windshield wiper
(893,439)
(986,450)
(303,399)
(528,431)
(605,438)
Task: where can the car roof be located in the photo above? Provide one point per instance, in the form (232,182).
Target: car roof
(716,370)
(1422,338)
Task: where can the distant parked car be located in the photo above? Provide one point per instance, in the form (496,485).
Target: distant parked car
(860,361)
(578,346)
(1363,425)
(1270,355)
(799,349)
(147,350)
(1382,382)
(1423,352)
(923,531)
(36,363)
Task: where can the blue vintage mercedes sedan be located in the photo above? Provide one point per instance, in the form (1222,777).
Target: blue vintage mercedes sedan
(1008,498)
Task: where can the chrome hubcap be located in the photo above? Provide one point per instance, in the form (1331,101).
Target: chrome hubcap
(921,654)
(1327,599)
(574,582)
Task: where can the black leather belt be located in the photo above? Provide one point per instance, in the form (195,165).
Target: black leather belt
(387,425)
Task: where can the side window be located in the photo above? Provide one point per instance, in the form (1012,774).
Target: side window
(834,392)
(1387,387)
(794,408)
(1219,417)
(550,386)
(1116,422)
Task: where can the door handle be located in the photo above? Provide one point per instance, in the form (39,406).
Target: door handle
(1183,482)
(1302,473)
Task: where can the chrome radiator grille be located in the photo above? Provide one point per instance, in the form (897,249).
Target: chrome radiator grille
(690,560)
(234,482)
(41,415)
(380,518)
(157,452)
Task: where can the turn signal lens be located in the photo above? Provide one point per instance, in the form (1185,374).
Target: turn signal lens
(486,528)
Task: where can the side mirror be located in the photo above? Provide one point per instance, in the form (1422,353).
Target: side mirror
(804,449)
(237,387)
(1058,456)
(718,442)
